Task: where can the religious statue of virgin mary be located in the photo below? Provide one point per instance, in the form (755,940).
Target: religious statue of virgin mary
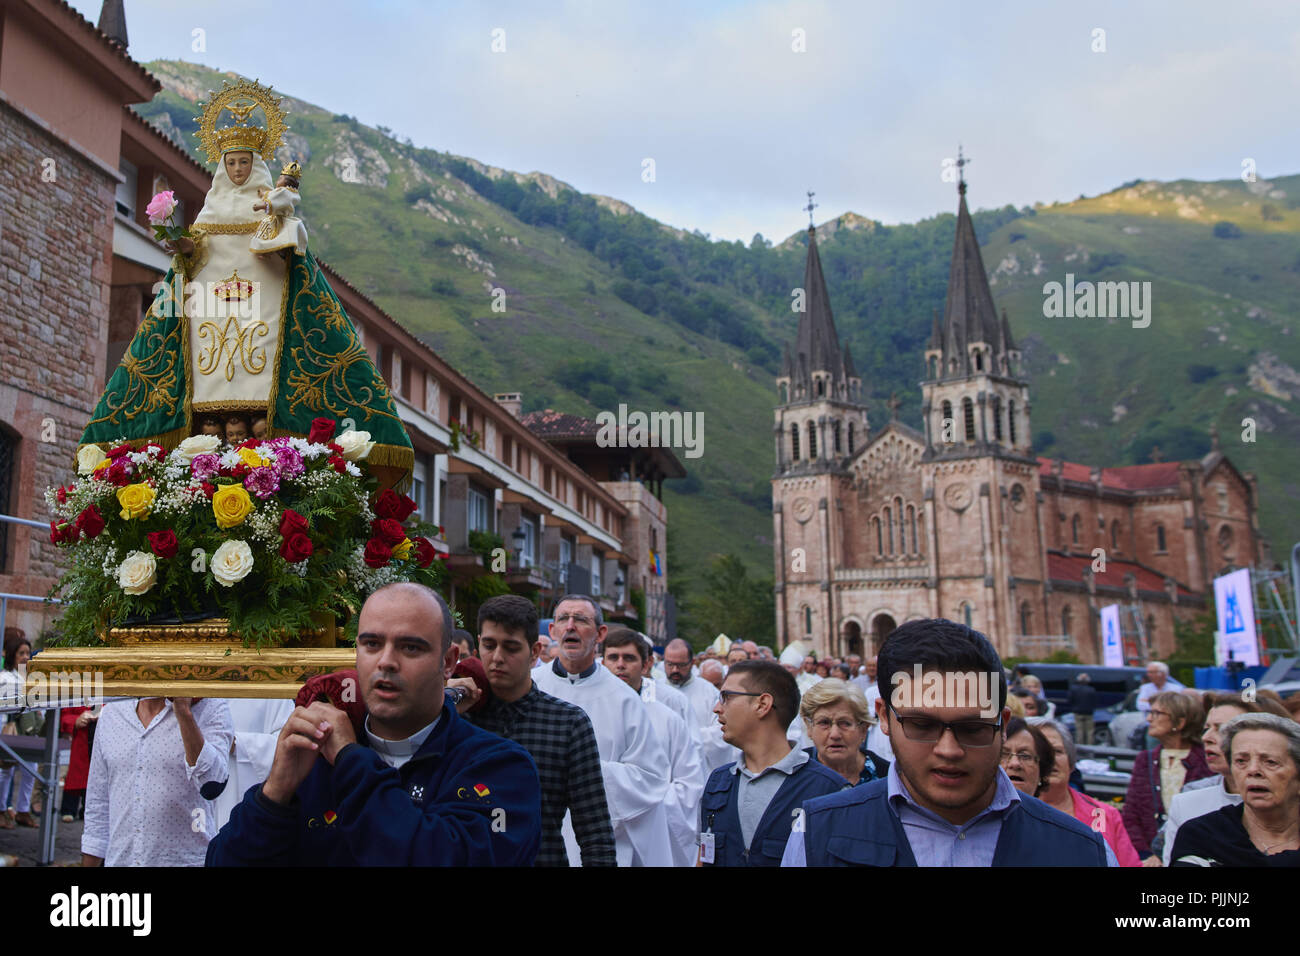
(246,338)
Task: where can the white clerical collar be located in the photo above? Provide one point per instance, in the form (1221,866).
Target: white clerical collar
(559,670)
(397,752)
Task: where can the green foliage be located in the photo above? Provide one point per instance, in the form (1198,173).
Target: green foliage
(483,543)
(1227,230)
(732,602)
(1200,373)
(637,597)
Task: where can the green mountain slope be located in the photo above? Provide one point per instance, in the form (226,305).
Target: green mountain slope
(604,305)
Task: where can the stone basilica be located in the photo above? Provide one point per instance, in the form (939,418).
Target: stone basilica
(960,519)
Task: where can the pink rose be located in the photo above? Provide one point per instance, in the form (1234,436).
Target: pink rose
(161,207)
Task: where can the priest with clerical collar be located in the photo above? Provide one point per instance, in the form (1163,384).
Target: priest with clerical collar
(419,786)
(633,760)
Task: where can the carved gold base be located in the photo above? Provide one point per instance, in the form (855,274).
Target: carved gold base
(201,659)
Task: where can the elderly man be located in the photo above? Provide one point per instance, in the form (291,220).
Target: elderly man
(714,673)
(633,759)
(751,649)
(700,693)
(418,786)
(1158,681)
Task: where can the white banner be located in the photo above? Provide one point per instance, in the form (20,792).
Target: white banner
(1112,641)
(1235,603)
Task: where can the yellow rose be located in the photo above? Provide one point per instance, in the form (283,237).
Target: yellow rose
(403,550)
(231,505)
(136,500)
(251,458)
(102,465)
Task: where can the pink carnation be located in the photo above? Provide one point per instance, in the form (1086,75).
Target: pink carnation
(263,482)
(161,207)
(205,467)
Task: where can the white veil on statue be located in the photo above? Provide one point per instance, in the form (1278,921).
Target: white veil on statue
(228,203)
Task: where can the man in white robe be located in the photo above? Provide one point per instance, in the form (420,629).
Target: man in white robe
(702,697)
(257,725)
(627,658)
(633,760)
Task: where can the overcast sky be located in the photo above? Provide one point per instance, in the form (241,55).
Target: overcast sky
(739,123)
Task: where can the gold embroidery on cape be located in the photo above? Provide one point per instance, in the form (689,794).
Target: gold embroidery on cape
(225,228)
(150,379)
(240,344)
(315,371)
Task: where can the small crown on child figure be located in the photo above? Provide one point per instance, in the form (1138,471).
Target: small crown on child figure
(292,170)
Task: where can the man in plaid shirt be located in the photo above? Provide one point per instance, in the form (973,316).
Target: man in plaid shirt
(557,734)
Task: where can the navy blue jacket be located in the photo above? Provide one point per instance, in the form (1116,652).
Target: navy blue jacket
(859,828)
(466,798)
(720,814)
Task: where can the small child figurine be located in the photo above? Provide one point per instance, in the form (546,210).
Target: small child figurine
(280,229)
(259,426)
(236,430)
(210,425)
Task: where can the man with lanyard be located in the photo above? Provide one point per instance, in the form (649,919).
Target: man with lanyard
(751,805)
(946,800)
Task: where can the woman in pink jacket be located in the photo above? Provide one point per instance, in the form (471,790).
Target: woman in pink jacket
(1102,817)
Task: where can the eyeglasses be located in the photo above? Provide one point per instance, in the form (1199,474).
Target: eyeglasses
(728,694)
(578,619)
(1024,756)
(1156,713)
(845,726)
(676,665)
(968,733)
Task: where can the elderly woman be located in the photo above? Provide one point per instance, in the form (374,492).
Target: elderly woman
(1175,720)
(1026,756)
(1263,752)
(1101,817)
(837,719)
(1035,686)
(1210,793)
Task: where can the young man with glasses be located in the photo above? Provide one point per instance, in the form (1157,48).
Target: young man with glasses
(945,800)
(750,806)
(633,760)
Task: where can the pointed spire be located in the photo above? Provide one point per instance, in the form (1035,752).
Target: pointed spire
(817,345)
(969,314)
(112,22)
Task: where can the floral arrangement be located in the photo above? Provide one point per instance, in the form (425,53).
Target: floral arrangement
(160,211)
(263,533)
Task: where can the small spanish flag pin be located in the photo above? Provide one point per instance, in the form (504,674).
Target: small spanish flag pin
(330,816)
(481,789)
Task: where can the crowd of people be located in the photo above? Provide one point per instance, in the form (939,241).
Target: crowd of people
(494,746)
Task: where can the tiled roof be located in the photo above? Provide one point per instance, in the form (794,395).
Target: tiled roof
(1070,567)
(118,52)
(1162,474)
(551,425)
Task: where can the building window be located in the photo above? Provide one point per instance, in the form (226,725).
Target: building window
(889,520)
(1225,540)
(934,367)
(968,413)
(997,418)
(124,196)
(528,554)
(794,442)
(480,512)
(1151,630)
(1026,619)
(947,426)
(807,620)
(850,438)
(1114,536)
(880,541)
(902,527)
(911,521)
(1160,538)
(1074,529)
(835,432)
(1011,420)
(1066,620)
(596,561)
(812,439)
(967,613)
(821,387)
(979,361)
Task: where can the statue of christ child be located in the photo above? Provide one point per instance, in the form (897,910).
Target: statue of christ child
(280,229)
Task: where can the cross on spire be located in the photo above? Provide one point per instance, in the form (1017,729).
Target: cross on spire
(810,207)
(962,161)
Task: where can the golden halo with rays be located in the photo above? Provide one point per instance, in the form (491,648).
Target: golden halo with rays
(240,99)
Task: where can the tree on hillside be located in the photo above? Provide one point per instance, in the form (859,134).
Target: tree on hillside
(729,601)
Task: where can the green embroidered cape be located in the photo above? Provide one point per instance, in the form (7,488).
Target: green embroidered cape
(323,371)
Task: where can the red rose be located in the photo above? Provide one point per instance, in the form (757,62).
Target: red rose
(292,523)
(209,489)
(377,553)
(339,464)
(424,552)
(58,534)
(392,505)
(322,430)
(90,522)
(334,447)
(295,547)
(388,531)
(120,450)
(163,543)
(120,472)
(239,471)
(61,495)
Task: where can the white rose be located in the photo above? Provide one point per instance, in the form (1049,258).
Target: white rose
(231,562)
(88,457)
(197,445)
(355,445)
(138,573)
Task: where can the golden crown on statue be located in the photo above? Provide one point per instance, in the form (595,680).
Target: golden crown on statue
(240,100)
(293,169)
(234,289)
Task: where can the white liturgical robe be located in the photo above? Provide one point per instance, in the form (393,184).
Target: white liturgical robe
(670,697)
(633,761)
(686,788)
(257,730)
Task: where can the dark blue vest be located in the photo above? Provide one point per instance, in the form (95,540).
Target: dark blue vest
(721,815)
(859,828)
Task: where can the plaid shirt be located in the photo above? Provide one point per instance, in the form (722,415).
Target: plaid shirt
(563,745)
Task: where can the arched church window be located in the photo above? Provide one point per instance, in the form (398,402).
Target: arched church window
(889,522)
(812,439)
(850,438)
(967,613)
(835,433)
(1074,529)
(1067,617)
(880,541)
(1011,420)
(794,442)
(902,536)
(1160,538)
(934,367)
(944,424)
(968,413)
(979,361)
(997,418)
(911,520)
(1225,539)
(1026,617)
(807,620)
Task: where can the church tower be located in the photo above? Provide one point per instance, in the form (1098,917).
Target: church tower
(979,470)
(820,423)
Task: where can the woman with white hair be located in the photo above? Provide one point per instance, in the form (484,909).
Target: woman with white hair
(837,719)
(1263,755)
